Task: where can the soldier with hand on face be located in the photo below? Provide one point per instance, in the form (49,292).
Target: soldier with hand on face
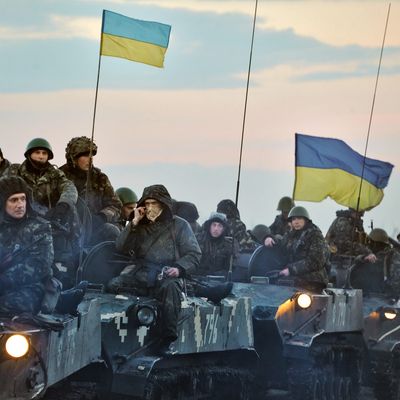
(305,250)
(94,187)
(4,164)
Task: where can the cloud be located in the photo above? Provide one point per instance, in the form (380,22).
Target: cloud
(58,27)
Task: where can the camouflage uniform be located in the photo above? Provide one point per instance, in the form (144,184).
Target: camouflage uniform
(187,211)
(306,254)
(215,252)
(236,227)
(26,254)
(169,241)
(3,167)
(100,197)
(280,226)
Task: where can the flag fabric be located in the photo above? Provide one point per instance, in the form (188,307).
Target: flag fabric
(142,41)
(328,167)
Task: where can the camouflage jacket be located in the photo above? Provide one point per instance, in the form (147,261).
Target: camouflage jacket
(280,226)
(101,197)
(30,245)
(391,266)
(346,236)
(306,253)
(238,229)
(3,167)
(167,241)
(48,188)
(215,254)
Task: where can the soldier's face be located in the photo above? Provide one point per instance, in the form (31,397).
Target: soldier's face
(298,223)
(40,156)
(153,209)
(83,162)
(127,209)
(16,205)
(216,229)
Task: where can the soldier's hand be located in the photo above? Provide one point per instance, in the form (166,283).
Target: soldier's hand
(284,272)
(172,272)
(139,213)
(370,258)
(269,242)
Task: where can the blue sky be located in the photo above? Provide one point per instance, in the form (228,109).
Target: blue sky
(313,71)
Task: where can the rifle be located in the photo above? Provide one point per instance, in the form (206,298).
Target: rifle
(7,260)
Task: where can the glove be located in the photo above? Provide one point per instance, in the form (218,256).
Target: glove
(59,213)
(98,220)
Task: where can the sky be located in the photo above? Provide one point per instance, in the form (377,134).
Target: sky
(313,71)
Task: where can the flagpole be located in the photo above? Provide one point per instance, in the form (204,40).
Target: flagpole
(372,108)
(229,277)
(88,174)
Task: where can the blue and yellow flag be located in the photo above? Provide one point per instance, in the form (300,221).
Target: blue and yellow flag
(142,41)
(329,167)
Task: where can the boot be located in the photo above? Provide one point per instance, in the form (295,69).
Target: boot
(214,293)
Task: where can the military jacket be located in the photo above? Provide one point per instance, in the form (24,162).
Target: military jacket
(26,254)
(215,254)
(165,242)
(306,253)
(101,197)
(346,236)
(49,187)
(3,167)
(391,265)
(238,230)
(280,226)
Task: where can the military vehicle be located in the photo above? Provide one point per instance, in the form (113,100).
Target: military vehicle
(381,330)
(37,352)
(215,353)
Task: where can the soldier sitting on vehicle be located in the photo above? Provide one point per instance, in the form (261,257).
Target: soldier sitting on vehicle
(346,239)
(129,200)
(216,247)
(305,250)
(26,250)
(165,250)
(187,211)
(236,227)
(94,188)
(259,233)
(4,164)
(281,224)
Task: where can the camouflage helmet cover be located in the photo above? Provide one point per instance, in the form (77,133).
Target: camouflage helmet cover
(299,211)
(79,145)
(379,235)
(126,195)
(38,143)
(285,204)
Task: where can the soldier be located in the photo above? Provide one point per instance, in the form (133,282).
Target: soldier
(129,200)
(96,191)
(187,211)
(216,247)
(236,227)
(259,233)
(4,164)
(346,239)
(165,249)
(305,250)
(281,224)
(26,250)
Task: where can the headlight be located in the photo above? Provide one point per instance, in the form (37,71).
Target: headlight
(389,314)
(146,315)
(17,346)
(304,300)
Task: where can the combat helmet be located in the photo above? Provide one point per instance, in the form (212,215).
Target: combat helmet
(77,146)
(126,195)
(379,235)
(285,204)
(260,231)
(299,211)
(38,143)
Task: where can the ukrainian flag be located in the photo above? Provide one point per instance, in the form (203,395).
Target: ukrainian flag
(329,167)
(133,39)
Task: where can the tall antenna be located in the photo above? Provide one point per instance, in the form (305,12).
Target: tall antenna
(372,108)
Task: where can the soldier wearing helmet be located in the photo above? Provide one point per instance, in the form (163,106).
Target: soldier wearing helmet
(259,233)
(281,224)
(129,200)
(4,164)
(305,250)
(97,191)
